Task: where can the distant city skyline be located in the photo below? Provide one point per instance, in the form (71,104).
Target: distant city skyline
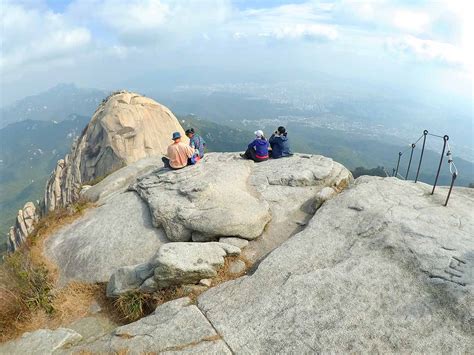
(413,45)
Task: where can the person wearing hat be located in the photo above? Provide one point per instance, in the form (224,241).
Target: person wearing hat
(196,142)
(179,154)
(279,144)
(258,149)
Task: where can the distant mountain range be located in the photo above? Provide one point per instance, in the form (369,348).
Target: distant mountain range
(55,104)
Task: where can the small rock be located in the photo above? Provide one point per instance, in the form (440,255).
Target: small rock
(324,195)
(206,282)
(84,188)
(187,263)
(237,267)
(148,286)
(238,242)
(128,278)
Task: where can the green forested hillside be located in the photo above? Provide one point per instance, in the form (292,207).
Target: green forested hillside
(29,151)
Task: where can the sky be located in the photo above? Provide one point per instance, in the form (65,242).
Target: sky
(422,46)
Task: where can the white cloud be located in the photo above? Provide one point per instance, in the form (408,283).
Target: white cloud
(303,31)
(427,50)
(134,16)
(414,21)
(147,22)
(305,21)
(32,37)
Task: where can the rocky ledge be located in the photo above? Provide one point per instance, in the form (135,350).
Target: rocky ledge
(224,196)
(382,267)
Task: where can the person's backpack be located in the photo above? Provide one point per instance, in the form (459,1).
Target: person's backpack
(195,158)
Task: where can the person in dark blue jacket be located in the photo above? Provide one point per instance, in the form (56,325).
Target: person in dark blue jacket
(279,144)
(258,149)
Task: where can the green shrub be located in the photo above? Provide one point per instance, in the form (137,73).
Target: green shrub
(31,283)
(134,305)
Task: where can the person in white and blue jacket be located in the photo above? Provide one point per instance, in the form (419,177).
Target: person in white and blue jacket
(257,150)
(196,142)
(279,144)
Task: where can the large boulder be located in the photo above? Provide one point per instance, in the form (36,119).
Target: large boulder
(174,264)
(24,226)
(115,234)
(382,267)
(125,128)
(206,201)
(227,196)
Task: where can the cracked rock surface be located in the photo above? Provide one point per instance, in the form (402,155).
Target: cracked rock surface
(175,327)
(42,342)
(382,267)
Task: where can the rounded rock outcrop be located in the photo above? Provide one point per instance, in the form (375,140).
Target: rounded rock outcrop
(125,128)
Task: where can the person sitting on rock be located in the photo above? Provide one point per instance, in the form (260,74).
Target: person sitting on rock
(179,154)
(196,142)
(280,147)
(258,149)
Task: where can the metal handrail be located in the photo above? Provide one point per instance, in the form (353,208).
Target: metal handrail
(452,167)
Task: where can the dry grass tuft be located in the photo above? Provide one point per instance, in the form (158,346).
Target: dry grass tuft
(73,301)
(134,305)
(223,275)
(27,278)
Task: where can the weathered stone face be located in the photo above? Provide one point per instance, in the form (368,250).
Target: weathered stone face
(225,196)
(24,225)
(383,266)
(115,234)
(125,128)
(175,327)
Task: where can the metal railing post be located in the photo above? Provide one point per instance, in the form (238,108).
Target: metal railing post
(445,140)
(450,188)
(409,163)
(398,163)
(425,133)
